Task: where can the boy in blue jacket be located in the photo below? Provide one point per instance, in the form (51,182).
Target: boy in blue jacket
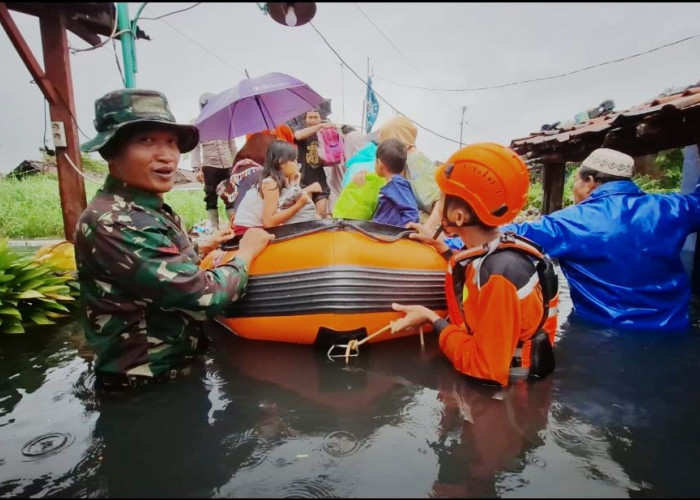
(397,204)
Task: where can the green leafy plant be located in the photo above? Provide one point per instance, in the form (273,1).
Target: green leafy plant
(32,293)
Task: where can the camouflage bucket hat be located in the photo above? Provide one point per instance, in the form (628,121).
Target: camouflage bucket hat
(119,110)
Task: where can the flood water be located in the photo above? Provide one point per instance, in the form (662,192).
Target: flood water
(618,418)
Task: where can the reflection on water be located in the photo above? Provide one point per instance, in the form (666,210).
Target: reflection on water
(618,418)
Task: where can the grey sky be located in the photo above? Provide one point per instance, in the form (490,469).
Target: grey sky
(449,45)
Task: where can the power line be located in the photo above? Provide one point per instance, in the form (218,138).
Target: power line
(112,36)
(202,47)
(375,92)
(388,39)
(449,106)
(546,77)
(170,13)
(116,58)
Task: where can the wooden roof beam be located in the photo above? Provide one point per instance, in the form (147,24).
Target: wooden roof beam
(25,53)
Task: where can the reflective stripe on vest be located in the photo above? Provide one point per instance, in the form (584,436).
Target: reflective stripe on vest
(456,274)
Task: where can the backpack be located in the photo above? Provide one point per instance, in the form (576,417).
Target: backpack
(331,147)
(359,202)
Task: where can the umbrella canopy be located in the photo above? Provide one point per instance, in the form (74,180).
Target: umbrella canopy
(254,105)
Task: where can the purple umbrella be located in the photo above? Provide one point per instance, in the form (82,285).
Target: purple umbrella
(254,105)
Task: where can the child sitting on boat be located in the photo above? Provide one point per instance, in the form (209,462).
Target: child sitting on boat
(384,195)
(277,199)
(396,204)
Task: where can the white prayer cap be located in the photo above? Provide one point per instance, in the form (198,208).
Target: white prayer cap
(611,162)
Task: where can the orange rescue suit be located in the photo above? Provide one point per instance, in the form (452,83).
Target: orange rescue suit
(496,304)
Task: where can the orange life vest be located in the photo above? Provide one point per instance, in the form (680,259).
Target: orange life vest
(538,348)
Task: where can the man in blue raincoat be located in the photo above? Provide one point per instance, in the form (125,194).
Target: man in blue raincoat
(619,247)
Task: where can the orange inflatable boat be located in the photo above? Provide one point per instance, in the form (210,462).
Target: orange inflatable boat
(333,280)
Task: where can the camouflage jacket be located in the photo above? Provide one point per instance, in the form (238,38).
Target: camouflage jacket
(142,295)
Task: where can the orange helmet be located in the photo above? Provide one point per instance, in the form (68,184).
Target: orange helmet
(491,178)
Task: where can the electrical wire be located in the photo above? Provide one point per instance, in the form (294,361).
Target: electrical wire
(171,13)
(447,104)
(202,46)
(82,174)
(546,77)
(103,42)
(388,40)
(119,66)
(375,92)
(48,151)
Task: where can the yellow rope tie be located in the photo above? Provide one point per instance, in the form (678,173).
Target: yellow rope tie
(354,344)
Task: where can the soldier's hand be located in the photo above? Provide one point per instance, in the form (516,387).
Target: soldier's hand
(200,176)
(253,243)
(208,244)
(223,235)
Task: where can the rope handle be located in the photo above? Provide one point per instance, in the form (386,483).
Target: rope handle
(354,344)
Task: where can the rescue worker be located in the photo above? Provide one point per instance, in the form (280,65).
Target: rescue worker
(619,247)
(143,297)
(502,292)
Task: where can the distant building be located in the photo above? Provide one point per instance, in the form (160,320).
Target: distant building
(32,167)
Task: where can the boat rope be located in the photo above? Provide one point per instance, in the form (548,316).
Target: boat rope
(354,344)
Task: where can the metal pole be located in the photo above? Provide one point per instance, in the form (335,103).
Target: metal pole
(127,40)
(133,25)
(461,126)
(342,88)
(364,102)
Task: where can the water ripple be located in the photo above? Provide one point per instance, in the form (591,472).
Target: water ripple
(246,449)
(308,488)
(46,445)
(341,444)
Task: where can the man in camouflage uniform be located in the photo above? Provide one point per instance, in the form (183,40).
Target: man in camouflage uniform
(143,296)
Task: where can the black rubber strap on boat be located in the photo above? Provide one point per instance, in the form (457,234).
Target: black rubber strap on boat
(373,230)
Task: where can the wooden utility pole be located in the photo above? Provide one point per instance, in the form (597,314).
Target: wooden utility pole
(57,87)
(71,187)
(553,173)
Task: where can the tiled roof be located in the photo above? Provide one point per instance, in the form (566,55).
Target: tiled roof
(551,139)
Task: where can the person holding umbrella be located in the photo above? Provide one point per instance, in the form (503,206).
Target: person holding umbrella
(266,103)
